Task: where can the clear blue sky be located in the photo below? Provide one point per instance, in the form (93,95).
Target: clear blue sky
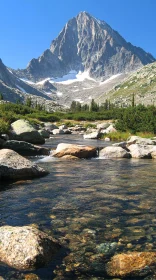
(29,26)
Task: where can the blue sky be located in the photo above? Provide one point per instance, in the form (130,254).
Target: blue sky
(29,26)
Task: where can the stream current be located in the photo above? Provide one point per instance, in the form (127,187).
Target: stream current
(91,206)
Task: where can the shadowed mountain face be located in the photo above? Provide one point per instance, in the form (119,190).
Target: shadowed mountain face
(87,44)
(15,90)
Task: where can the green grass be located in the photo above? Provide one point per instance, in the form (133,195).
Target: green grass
(123,136)
(4,126)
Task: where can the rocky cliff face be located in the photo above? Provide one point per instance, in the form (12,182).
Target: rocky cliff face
(14,89)
(87,44)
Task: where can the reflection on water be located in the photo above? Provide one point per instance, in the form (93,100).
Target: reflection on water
(84,204)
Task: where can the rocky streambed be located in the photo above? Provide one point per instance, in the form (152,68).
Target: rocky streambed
(101,211)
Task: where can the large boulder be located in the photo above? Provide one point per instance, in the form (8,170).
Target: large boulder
(133,264)
(22,130)
(25,148)
(13,166)
(114,152)
(140,151)
(26,247)
(139,140)
(79,151)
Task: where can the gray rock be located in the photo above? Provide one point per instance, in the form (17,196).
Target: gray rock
(140,151)
(5,137)
(63,126)
(57,131)
(13,166)
(22,130)
(107,139)
(92,135)
(139,140)
(109,129)
(67,131)
(25,149)
(26,247)
(103,125)
(44,133)
(114,152)
(50,126)
(153,151)
(121,144)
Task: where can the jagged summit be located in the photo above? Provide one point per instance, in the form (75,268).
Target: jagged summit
(87,44)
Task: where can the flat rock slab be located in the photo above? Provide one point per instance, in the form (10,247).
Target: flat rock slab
(26,247)
(78,151)
(13,166)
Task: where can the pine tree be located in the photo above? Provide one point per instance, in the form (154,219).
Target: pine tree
(133,101)
(1,96)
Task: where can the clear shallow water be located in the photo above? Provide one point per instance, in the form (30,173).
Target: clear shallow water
(85,203)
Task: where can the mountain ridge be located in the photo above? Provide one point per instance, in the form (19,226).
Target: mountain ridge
(87,44)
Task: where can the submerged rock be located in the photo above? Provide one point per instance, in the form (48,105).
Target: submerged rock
(26,247)
(13,166)
(107,248)
(22,130)
(131,264)
(114,152)
(79,151)
(25,148)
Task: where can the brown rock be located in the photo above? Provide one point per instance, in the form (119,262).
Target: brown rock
(132,264)
(70,157)
(79,151)
(31,276)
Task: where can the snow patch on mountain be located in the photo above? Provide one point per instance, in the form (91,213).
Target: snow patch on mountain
(111,78)
(20,88)
(27,81)
(72,77)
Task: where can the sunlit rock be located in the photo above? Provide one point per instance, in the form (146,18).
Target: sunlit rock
(131,264)
(26,247)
